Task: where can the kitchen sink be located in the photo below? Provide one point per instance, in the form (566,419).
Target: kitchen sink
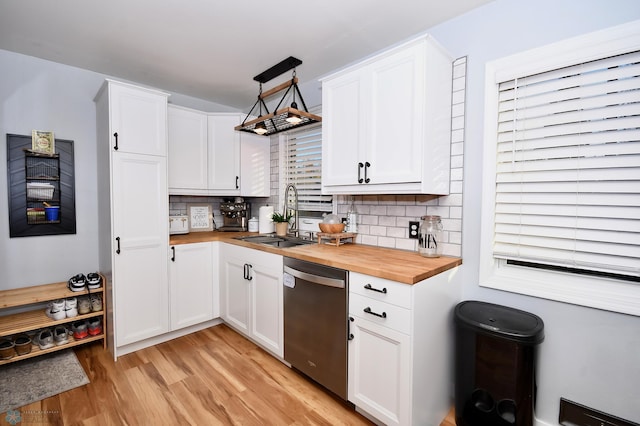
(275,241)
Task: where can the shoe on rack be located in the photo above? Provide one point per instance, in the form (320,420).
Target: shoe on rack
(77,282)
(79,330)
(84,305)
(96,303)
(71,307)
(55,310)
(94,280)
(44,339)
(7,349)
(94,326)
(23,344)
(60,335)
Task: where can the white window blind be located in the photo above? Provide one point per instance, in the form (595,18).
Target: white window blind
(568,167)
(303,167)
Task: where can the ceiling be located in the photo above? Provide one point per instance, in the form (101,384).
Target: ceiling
(212,49)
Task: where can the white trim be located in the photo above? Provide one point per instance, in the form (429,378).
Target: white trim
(600,293)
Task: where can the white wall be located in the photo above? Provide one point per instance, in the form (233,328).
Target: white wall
(43,95)
(589,356)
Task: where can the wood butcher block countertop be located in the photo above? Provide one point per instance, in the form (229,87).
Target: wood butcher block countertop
(397,265)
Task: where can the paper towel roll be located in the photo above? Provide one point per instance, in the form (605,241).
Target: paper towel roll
(265,224)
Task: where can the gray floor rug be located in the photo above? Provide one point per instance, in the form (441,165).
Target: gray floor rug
(33,379)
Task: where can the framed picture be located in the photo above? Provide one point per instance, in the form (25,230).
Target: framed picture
(43,142)
(200,217)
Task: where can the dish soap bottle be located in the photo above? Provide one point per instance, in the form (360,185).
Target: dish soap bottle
(352,217)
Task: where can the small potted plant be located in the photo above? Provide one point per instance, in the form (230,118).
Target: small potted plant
(282,222)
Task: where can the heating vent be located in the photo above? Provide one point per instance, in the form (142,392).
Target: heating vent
(573,414)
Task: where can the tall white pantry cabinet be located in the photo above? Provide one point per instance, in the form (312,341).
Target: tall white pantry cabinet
(133,209)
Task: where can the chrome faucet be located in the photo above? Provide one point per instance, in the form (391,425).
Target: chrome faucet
(288,206)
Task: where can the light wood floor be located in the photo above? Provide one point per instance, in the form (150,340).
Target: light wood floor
(212,377)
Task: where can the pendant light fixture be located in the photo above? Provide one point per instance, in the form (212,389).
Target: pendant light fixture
(282,119)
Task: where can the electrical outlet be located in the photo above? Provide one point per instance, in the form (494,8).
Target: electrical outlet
(413,230)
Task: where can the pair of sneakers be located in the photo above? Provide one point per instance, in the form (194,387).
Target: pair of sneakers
(44,338)
(79,282)
(62,308)
(87,304)
(90,327)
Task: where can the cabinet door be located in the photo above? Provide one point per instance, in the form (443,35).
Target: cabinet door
(191,284)
(342,129)
(187,151)
(380,372)
(255,165)
(267,326)
(396,116)
(235,292)
(140,233)
(224,154)
(139,117)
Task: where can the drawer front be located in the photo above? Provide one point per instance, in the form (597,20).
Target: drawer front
(381,289)
(390,316)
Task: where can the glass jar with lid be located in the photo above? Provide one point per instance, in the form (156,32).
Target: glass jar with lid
(430,236)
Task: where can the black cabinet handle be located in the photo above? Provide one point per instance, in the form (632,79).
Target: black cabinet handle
(247,272)
(237,183)
(173,254)
(369,287)
(368,310)
(360,166)
(118,245)
(366,166)
(350,335)
(244,272)
(115,135)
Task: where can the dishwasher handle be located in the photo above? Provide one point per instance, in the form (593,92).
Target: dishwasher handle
(316,279)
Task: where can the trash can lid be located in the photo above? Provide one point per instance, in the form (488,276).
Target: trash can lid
(500,321)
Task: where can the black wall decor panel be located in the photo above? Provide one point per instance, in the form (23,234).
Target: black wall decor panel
(64,194)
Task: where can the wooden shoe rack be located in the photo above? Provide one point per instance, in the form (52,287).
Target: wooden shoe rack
(33,300)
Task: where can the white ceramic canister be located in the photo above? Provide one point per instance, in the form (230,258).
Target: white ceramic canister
(253,225)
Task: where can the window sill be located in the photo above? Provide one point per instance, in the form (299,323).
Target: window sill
(594,292)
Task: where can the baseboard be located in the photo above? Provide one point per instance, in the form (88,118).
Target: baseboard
(152,341)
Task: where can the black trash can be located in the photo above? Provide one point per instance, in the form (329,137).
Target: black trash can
(495,358)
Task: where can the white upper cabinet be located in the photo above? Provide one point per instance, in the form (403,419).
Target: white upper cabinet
(387,123)
(208,157)
(138,120)
(188,161)
(224,154)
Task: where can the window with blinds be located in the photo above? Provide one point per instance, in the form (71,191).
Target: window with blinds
(567,177)
(303,167)
(560,216)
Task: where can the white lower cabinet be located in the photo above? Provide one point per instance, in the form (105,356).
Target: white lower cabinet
(401,352)
(251,295)
(192,284)
(379,373)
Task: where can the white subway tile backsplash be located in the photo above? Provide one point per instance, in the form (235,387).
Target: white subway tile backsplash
(396,210)
(387,220)
(397,232)
(416,211)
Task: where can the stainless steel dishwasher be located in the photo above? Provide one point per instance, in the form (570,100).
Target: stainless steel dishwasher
(316,323)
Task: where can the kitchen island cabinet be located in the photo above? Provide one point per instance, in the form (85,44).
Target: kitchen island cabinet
(387,123)
(252,295)
(133,210)
(401,352)
(193,284)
